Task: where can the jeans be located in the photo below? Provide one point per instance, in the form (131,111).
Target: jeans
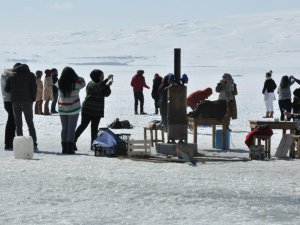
(69,123)
(26,108)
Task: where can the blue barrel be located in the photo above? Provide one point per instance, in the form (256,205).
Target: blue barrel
(218,139)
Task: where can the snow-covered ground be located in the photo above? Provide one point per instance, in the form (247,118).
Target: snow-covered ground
(83,189)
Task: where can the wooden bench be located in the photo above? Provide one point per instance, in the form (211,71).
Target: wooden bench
(153,134)
(195,122)
(139,147)
(267,140)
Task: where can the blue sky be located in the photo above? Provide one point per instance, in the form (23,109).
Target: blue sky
(57,15)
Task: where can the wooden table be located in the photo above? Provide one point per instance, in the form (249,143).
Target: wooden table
(280,125)
(195,122)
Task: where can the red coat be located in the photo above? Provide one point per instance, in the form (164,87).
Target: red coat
(138,83)
(249,138)
(198,96)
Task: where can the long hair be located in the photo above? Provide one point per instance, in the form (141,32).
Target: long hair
(67,81)
(284,83)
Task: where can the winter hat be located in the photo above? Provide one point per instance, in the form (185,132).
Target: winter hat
(184,78)
(141,72)
(171,77)
(48,72)
(156,75)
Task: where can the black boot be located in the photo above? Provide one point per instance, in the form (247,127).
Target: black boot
(70,146)
(64,147)
(74,146)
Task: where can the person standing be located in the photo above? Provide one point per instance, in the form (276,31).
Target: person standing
(269,96)
(138,83)
(155,95)
(39,94)
(93,106)
(227,91)
(22,86)
(285,96)
(10,128)
(54,75)
(168,80)
(69,85)
(48,94)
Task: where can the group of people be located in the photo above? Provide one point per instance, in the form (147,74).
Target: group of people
(284,96)
(19,90)
(46,91)
(226,88)
(159,83)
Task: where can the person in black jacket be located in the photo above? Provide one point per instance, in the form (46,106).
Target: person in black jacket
(22,87)
(93,106)
(168,80)
(10,128)
(54,74)
(269,96)
(155,95)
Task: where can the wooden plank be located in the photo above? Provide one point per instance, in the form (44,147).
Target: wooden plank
(157,159)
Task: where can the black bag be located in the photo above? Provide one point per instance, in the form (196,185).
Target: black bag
(117,124)
(126,124)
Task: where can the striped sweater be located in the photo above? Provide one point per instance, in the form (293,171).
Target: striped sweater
(71,105)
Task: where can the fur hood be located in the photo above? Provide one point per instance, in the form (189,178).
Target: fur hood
(4,76)
(21,69)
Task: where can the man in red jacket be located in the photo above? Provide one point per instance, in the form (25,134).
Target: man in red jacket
(138,83)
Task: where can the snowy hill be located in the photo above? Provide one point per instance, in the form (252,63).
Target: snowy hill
(253,40)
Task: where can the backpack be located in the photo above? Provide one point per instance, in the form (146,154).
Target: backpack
(117,124)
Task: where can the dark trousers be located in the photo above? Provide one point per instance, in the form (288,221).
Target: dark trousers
(68,123)
(55,96)
(156,102)
(285,105)
(26,108)
(85,120)
(10,128)
(138,97)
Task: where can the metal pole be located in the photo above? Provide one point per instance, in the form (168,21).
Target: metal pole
(177,64)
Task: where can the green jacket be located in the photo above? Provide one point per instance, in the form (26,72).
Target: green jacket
(94,101)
